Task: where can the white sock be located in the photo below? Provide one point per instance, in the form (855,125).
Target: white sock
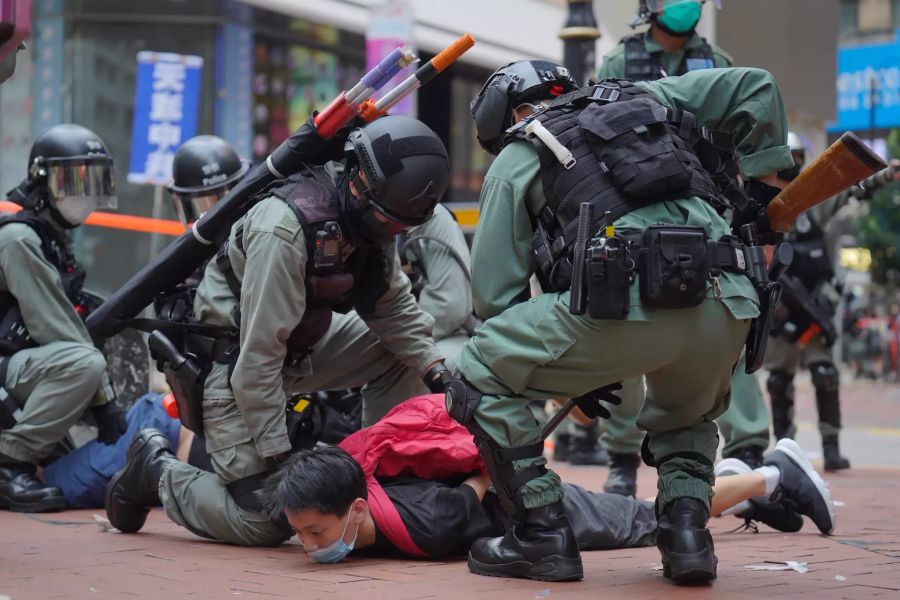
(772,476)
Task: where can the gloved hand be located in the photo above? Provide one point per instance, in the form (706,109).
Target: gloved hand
(110,422)
(590,403)
(437,377)
(307,147)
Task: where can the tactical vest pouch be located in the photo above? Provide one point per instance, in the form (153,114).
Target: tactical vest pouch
(634,141)
(609,275)
(330,289)
(674,266)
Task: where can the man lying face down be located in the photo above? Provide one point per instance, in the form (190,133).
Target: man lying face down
(335,508)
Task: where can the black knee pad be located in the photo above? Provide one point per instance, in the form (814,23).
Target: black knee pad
(824,376)
(781,386)
(462,401)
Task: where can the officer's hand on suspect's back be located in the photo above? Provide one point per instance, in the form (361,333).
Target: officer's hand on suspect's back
(110,422)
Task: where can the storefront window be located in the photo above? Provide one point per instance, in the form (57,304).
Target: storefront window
(101,68)
(298,69)
(468,159)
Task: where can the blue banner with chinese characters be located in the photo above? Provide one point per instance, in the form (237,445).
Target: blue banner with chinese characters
(166,107)
(868,87)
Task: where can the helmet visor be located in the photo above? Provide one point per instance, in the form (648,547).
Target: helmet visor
(190,207)
(82,178)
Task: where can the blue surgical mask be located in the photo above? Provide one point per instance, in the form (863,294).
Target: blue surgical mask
(680,18)
(339,549)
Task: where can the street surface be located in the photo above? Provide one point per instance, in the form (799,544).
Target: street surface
(67,555)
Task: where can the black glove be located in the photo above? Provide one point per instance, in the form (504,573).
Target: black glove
(437,377)
(590,403)
(110,422)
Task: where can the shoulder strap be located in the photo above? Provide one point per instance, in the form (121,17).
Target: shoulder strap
(702,53)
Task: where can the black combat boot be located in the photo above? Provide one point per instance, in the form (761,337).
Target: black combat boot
(622,479)
(585,450)
(832,454)
(800,486)
(562,447)
(540,546)
(752,456)
(133,490)
(686,545)
(22,491)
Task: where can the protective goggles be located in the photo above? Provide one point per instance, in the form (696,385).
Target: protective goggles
(82,178)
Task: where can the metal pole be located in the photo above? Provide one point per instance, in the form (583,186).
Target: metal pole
(579,35)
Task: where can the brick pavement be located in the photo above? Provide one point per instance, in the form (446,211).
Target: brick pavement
(66,555)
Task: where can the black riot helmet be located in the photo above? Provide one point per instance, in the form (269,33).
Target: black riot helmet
(512,85)
(70,172)
(399,170)
(205,167)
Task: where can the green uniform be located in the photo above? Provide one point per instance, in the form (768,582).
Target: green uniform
(55,382)
(614,61)
(244,419)
(537,349)
(746,422)
(447,291)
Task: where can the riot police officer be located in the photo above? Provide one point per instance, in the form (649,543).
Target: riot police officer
(204,168)
(436,259)
(512,93)
(50,371)
(670,46)
(317,243)
(803,330)
(602,147)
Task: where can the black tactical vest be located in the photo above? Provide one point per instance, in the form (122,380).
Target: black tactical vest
(812,262)
(356,284)
(13,334)
(641,65)
(629,152)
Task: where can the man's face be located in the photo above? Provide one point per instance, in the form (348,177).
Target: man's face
(317,530)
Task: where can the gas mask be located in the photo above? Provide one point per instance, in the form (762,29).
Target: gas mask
(366,226)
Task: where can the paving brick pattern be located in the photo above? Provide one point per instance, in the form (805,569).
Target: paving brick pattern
(67,556)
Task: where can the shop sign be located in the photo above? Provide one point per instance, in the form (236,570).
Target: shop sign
(166,107)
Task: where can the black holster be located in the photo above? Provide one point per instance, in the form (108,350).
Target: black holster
(186,376)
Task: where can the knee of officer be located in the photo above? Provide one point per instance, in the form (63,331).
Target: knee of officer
(87,367)
(778,383)
(462,400)
(824,376)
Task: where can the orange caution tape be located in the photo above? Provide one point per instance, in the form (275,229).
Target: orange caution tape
(117,221)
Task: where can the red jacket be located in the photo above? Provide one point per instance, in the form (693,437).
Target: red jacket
(417,438)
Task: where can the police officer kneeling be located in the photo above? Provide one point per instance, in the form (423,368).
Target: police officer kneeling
(668,297)
(318,243)
(50,371)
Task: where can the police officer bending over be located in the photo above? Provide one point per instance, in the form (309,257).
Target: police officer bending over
(320,241)
(664,288)
(50,370)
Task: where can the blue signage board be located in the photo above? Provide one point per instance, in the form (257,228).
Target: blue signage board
(868,86)
(166,106)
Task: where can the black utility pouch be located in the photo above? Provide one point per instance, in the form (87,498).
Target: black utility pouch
(609,270)
(674,266)
(638,147)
